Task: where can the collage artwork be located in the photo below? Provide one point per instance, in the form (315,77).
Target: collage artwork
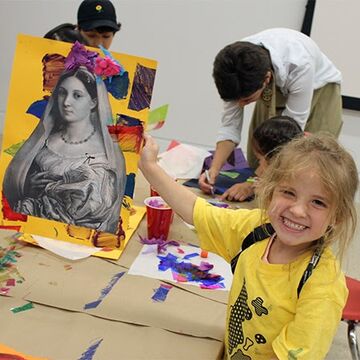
(73,132)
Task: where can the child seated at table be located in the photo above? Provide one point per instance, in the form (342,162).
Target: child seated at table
(266,141)
(288,290)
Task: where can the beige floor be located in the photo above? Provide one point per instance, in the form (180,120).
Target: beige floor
(340,348)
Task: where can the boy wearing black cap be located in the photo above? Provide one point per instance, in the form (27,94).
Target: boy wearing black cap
(97,22)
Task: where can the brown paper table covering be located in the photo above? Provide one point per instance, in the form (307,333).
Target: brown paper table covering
(64,335)
(188,324)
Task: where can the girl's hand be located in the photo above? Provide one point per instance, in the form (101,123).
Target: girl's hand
(178,197)
(149,152)
(238,192)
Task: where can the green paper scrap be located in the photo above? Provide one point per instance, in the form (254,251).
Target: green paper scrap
(251,180)
(25,307)
(12,150)
(158,115)
(230,174)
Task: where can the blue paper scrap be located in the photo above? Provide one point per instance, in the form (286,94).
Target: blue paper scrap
(104,291)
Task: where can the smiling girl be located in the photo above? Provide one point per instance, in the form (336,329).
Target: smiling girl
(288,290)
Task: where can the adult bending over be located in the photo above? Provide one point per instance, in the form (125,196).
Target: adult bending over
(284,72)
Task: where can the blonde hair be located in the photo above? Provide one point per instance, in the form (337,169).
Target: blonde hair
(339,177)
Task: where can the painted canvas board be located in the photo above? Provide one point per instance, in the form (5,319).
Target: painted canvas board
(71,142)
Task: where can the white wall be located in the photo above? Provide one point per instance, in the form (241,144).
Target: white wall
(338,36)
(184,36)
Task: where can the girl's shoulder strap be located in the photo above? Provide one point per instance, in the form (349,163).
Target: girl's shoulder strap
(263,232)
(259,233)
(309,269)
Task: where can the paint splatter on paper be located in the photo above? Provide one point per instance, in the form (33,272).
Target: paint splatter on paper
(9,274)
(90,352)
(118,86)
(8,213)
(142,88)
(53,66)
(187,272)
(183,264)
(12,150)
(128,132)
(104,291)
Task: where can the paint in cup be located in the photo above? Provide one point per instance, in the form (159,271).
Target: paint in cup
(159,217)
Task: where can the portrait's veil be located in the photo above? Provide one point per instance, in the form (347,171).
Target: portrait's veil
(15,175)
(114,154)
(18,169)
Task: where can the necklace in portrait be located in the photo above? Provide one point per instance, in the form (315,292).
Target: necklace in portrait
(79,141)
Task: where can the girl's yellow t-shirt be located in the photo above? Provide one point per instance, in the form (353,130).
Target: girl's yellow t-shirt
(265,317)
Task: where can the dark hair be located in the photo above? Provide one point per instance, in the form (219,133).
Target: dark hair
(271,134)
(67,33)
(240,69)
(105,29)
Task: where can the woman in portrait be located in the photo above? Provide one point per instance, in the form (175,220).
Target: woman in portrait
(69,169)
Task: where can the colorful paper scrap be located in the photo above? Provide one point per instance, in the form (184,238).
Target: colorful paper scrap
(161,292)
(157,118)
(25,307)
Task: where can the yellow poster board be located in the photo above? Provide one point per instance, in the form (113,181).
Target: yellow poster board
(37,65)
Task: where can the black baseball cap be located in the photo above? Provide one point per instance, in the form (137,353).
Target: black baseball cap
(93,14)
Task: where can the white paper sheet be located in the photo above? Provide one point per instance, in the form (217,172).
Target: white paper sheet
(146,264)
(183,161)
(65,249)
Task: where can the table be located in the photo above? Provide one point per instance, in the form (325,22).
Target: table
(126,323)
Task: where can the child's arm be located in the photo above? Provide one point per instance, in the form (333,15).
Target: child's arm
(238,192)
(179,198)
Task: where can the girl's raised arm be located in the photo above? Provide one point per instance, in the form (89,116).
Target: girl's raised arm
(179,198)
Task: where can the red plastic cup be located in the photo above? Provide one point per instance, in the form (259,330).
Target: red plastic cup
(159,216)
(153,192)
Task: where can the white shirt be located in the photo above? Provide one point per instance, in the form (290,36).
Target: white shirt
(299,68)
